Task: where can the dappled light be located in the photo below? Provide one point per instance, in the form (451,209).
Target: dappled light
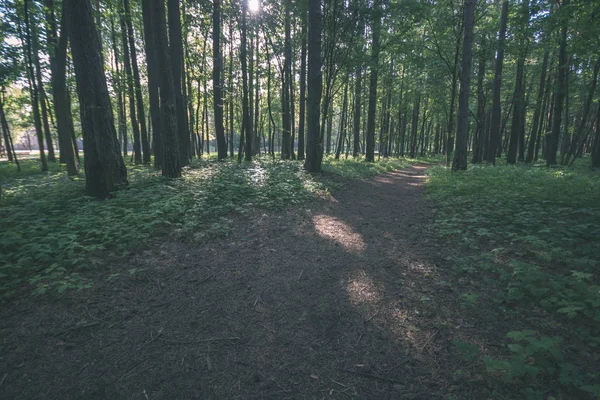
(361,289)
(341,233)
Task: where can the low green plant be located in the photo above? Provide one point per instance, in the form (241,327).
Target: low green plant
(532,236)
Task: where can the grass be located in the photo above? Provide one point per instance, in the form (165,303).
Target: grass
(530,235)
(52,234)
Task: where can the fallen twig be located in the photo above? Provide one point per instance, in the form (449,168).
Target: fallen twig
(378,378)
(199,340)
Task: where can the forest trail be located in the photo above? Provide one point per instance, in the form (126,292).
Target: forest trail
(326,300)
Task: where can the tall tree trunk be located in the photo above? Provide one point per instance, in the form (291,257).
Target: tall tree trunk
(460,155)
(342,127)
(171,151)
(176,52)
(370,154)
(217,83)
(414,127)
(478,139)
(286,117)
(62,107)
(596,144)
(518,110)
(450,138)
(34,94)
(41,91)
(495,140)
(314,140)
(586,111)
(559,95)
(153,83)
(10,148)
(247,119)
(230,86)
(135,127)
(302,121)
(537,113)
(105,170)
(357,110)
(145,145)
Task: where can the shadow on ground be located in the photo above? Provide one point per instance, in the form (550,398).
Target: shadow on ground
(344,298)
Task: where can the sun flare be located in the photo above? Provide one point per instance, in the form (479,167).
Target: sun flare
(253,5)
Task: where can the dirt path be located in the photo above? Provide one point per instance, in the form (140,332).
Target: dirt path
(331,300)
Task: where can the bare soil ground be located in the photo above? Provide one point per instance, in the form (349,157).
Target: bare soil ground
(337,299)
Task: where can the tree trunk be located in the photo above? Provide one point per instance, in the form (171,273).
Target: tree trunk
(314,140)
(518,110)
(478,137)
(559,96)
(62,106)
(153,83)
(286,117)
(302,121)
(145,145)
(537,113)
(460,155)
(414,127)
(176,53)
(105,170)
(171,151)
(495,140)
(34,94)
(247,119)
(135,127)
(370,153)
(342,128)
(217,83)
(586,111)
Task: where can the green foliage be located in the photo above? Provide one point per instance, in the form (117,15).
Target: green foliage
(533,235)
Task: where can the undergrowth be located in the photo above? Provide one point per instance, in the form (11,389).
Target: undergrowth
(52,234)
(531,234)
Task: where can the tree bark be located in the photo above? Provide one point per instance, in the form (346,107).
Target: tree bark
(302,121)
(105,170)
(171,156)
(314,140)
(62,104)
(460,155)
(559,96)
(176,52)
(494,141)
(135,127)
(537,113)
(370,153)
(217,83)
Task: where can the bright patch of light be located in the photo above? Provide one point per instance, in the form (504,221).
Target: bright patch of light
(253,5)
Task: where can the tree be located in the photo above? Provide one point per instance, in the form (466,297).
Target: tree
(460,155)
(301,125)
(376,27)
(314,140)
(494,141)
(176,52)
(105,170)
(171,152)
(217,82)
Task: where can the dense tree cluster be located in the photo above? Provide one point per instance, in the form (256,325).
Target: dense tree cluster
(177,79)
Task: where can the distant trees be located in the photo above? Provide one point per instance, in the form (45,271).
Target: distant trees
(394,78)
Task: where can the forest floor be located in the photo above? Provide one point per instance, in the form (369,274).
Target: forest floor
(326,300)
(354,295)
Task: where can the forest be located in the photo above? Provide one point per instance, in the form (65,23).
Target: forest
(298,199)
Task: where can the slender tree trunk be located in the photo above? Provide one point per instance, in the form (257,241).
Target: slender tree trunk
(217,83)
(584,117)
(302,121)
(135,127)
(478,137)
(414,127)
(559,96)
(286,118)
(247,119)
(10,148)
(230,85)
(34,94)
(370,154)
(145,144)
(314,140)
(518,110)
(537,113)
(62,107)
(176,52)
(495,140)
(342,128)
(105,170)
(460,155)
